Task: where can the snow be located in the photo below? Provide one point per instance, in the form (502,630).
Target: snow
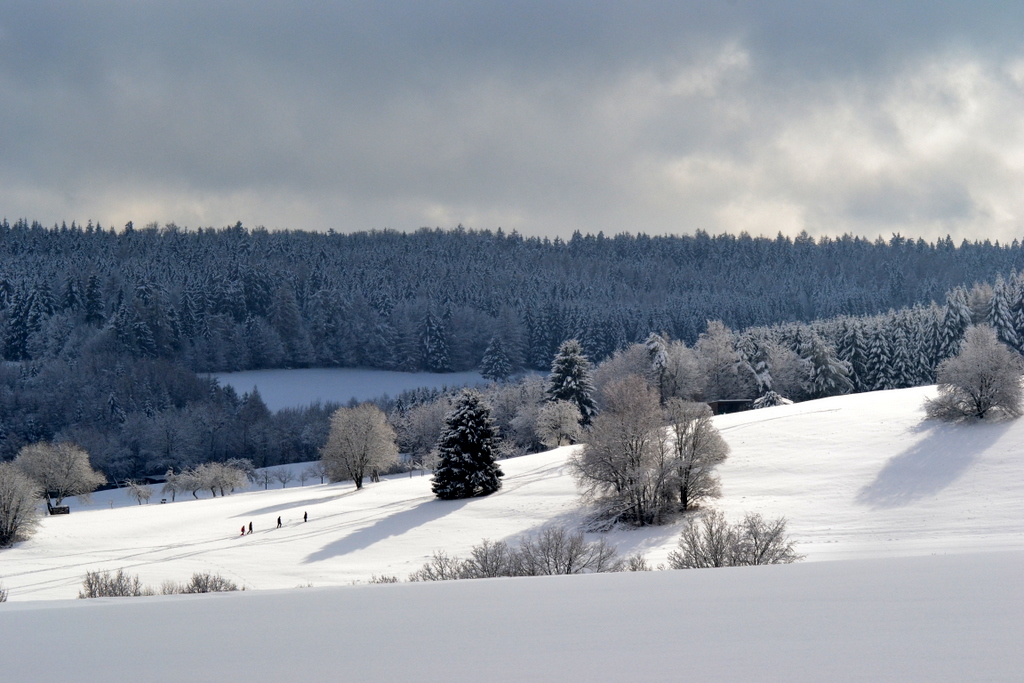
(926,521)
(954,618)
(301,387)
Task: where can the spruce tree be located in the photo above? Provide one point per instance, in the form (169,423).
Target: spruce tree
(466,449)
(955,321)
(1000,315)
(570,379)
(830,376)
(495,364)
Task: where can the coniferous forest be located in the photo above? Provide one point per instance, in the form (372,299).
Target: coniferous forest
(102,332)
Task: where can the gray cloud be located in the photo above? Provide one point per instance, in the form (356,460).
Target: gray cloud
(543,117)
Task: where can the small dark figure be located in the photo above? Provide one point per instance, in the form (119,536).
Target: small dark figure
(305,516)
(278,522)
(250,527)
(243,530)
(374,475)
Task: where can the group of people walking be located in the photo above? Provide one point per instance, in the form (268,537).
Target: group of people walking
(246,532)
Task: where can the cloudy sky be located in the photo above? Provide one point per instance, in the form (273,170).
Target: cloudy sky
(868,117)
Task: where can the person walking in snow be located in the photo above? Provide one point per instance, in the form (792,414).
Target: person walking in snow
(243,530)
(250,527)
(305,516)
(278,522)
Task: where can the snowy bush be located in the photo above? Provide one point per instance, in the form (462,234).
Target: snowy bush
(3,593)
(710,541)
(982,380)
(552,551)
(201,582)
(112,585)
(770,400)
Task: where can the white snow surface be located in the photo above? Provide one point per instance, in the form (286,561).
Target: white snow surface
(927,520)
(301,387)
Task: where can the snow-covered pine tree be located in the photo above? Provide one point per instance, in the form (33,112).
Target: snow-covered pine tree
(851,348)
(1000,315)
(879,358)
(955,321)
(495,364)
(466,466)
(901,362)
(435,344)
(754,352)
(830,376)
(570,379)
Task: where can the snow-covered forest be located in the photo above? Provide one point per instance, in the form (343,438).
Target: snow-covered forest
(102,331)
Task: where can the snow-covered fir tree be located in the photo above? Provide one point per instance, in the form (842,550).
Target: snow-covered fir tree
(466,451)
(830,376)
(955,321)
(434,343)
(1000,314)
(495,364)
(570,379)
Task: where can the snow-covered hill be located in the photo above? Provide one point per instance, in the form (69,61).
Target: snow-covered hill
(858,477)
(861,478)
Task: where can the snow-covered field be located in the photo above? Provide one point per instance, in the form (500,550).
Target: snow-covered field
(861,479)
(300,387)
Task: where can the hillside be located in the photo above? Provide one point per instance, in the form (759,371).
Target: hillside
(857,476)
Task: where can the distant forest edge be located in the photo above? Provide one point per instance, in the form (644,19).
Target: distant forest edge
(102,332)
(238,299)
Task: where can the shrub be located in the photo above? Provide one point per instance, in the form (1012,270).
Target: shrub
(983,379)
(112,585)
(710,541)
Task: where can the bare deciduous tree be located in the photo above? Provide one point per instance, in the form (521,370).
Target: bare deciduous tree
(138,490)
(360,441)
(19,504)
(697,448)
(284,475)
(983,380)
(61,469)
(625,462)
(558,424)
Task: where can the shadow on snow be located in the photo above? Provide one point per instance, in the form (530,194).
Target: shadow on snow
(386,527)
(931,464)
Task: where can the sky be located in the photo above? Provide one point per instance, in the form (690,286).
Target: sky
(868,117)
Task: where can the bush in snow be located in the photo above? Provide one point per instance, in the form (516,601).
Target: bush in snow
(770,400)
(710,541)
(19,504)
(201,582)
(466,452)
(552,551)
(3,593)
(112,585)
(983,380)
